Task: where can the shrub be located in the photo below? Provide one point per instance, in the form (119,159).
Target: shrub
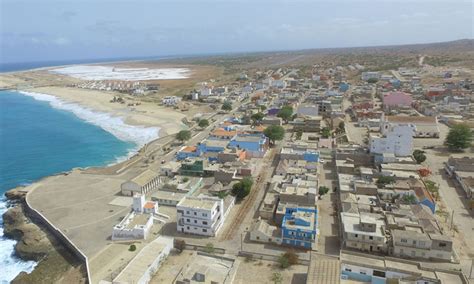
(180,245)
(132,248)
(209,248)
(323,190)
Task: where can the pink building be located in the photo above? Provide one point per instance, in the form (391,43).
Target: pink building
(394,100)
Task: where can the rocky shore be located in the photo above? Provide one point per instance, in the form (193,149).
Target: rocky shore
(55,263)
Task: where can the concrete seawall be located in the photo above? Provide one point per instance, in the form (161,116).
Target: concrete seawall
(68,244)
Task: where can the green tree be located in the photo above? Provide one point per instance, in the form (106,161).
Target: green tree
(287,259)
(183,135)
(262,107)
(341,127)
(132,248)
(323,190)
(203,123)
(372,80)
(419,156)
(274,133)
(408,198)
(257,117)
(299,134)
(382,181)
(326,132)
(227,106)
(459,137)
(285,113)
(242,188)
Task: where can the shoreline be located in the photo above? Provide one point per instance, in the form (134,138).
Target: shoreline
(121,163)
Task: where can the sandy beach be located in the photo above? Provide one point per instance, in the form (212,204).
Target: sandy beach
(145,114)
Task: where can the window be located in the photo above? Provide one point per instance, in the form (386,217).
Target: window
(371,237)
(404,240)
(442,245)
(204,230)
(204,214)
(258,238)
(195,221)
(356,235)
(414,242)
(187,227)
(204,222)
(187,212)
(348,269)
(363,272)
(195,213)
(188,220)
(379,273)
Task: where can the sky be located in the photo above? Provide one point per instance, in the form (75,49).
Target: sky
(49,30)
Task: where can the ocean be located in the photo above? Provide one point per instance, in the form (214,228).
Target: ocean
(41,135)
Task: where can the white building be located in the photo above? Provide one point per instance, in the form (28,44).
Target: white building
(137,223)
(145,264)
(141,184)
(200,215)
(398,140)
(365,232)
(206,91)
(423,126)
(171,100)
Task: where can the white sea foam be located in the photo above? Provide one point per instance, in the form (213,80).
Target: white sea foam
(10,265)
(86,72)
(138,135)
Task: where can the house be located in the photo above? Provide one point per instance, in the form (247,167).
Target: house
(143,183)
(170,169)
(192,167)
(231,155)
(307,123)
(413,242)
(299,152)
(263,232)
(299,227)
(398,140)
(366,76)
(136,224)
(462,169)
(226,133)
(202,215)
(307,110)
(364,232)
(397,100)
(188,152)
(254,145)
(171,100)
(423,126)
(144,265)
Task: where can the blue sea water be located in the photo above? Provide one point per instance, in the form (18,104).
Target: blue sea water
(37,140)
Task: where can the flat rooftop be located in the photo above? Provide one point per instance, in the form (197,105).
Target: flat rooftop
(139,265)
(197,203)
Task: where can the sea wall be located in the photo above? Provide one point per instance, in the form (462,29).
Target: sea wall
(40,219)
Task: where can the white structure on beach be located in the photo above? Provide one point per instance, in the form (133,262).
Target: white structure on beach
(141,184)
(171,100)
(398,141)
(200,215)
(137,223)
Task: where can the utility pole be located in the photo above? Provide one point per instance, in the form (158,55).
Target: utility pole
(452,219)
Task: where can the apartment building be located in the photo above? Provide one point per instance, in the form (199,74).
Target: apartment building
(365,232)
(200,215)
(413,242)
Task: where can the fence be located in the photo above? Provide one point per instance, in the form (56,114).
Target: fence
(270,257)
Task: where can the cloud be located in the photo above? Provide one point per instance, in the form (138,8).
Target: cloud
(67,15)
(61,41)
